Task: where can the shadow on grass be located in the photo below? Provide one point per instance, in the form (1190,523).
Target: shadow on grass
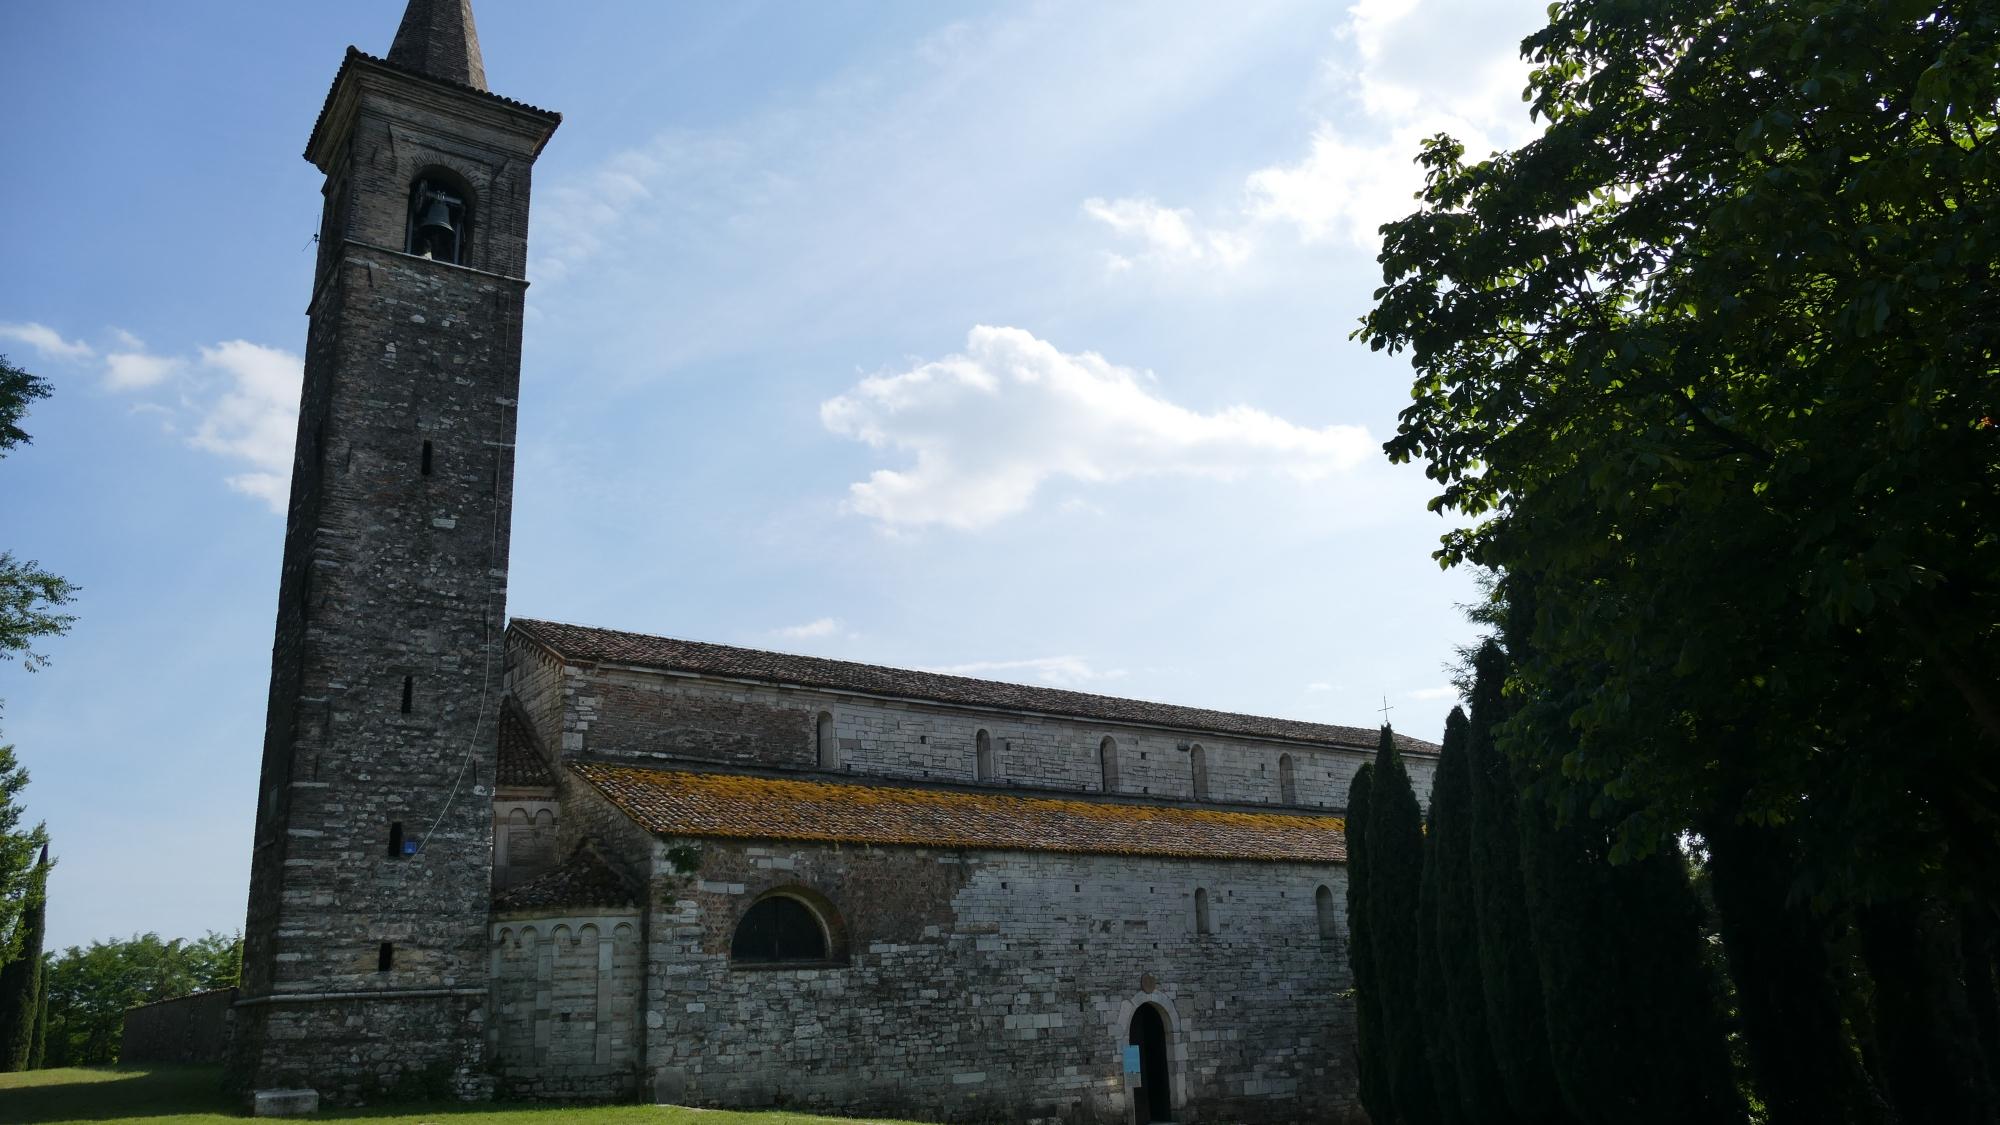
(137,1093)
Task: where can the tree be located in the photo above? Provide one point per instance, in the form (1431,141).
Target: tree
(1432,1009)
(1369,1046)
(1395,857)
(29,595)
(89,989)
(1509,972)
(1482,1094)
(18,846)
(21,978)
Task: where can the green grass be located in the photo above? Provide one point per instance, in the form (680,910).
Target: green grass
(192,1095)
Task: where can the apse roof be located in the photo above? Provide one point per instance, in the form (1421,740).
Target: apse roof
(740,806)
(583,644)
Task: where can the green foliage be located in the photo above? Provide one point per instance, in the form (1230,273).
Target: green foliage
(1714,359)
(21,978)
(1370,1060)
(1509,973)
(17,389)
(18,848)
(1395,856)
(90,988)
(1482,1094)
(1932,1061)
(28,594)
(1431,1007)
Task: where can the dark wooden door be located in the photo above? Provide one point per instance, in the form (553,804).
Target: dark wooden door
(1155,1101)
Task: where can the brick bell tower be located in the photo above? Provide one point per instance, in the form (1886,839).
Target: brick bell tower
(365,949)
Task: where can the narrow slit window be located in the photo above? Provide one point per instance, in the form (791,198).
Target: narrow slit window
(1107,763)
(385,958)
(982,764)
(426,465)
(1288,789)
(1201,921)
(1198,767)
(827,748)
(409,692)
(395,839)
(1329,925)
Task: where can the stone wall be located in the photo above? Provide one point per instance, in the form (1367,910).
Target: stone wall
(524,840)
(565,1020)
(188,1029)
(658,719)
(1001,986)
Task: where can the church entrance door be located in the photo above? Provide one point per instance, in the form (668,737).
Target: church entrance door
(1153,1101)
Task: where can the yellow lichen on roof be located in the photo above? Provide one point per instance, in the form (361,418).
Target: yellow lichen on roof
(691,804)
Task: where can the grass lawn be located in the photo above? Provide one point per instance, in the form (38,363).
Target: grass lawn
(191,1095)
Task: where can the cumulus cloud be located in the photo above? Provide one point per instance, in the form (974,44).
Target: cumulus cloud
(988,427)
(824,627)
(47,342)
(1057,671)
(138,370)
(1169,236)
(251,416)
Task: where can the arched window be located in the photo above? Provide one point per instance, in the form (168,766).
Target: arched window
(825,746)
(1288,789)
(1201,924)
(1198,764)
(440,218)
(1107,763)
(1328,924)
(780,929)
(982,756)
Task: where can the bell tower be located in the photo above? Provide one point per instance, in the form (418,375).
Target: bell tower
(365,947)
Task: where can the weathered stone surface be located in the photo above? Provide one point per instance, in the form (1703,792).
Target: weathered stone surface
(284,1103)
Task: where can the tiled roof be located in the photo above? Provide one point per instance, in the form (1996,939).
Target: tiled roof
(738,806)
(356,55)
(586,878)
(580,643)
(522,764)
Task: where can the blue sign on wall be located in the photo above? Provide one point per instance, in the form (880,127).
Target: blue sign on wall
(1132,1060)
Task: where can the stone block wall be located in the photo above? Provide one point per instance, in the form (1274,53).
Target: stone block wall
(525,840)
(1002,985)
(187,1029)
(566,994)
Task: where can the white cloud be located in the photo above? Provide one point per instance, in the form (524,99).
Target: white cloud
(1171,235)
(1434,693)
(824,627)
(990,426)
(46,341)
(1058,671)
(1319,686)
(138,369)
(252,417)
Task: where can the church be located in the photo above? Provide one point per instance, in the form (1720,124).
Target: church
(520,858)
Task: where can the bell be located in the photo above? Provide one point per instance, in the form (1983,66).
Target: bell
(435,229)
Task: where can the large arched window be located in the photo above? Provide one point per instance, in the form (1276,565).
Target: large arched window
(1288,788)
(1107,763)
(1329,925)
(1198,766)
(825,746)
(982,756)
(440,218)
(779,929)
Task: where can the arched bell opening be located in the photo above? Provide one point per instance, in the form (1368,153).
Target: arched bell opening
(441,217)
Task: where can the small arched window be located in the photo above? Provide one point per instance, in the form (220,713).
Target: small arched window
(1288,789)
(1201,922)
(1198,765)
(779,929)
(440,218)
(1328,923)
(1107,763)
(825,746)
(982,756)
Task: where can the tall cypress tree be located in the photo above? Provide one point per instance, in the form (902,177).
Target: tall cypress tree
(1635,1028)
(1374,1075)
(21,978)
(1481,1092)
(41,1048)
(1431,1004)
(1932,1062)
(1508,969)
(1395,880)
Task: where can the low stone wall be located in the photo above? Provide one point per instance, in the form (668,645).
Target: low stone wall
(189,1029)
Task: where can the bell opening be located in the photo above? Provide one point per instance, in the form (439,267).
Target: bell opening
(438,221)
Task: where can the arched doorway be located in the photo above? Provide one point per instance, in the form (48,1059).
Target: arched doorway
(1154,1099)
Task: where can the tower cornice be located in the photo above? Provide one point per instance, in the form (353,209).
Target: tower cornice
(479,106)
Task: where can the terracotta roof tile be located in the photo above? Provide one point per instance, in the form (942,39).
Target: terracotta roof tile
(588,645)
(737,806)
(585,879)
(522,764)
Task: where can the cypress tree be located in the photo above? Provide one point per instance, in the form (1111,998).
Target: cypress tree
(1635,1029)
(1932,1063)
(1508,969)
(21,978)
(1373,1076)
(40,1051)
(1431,1004)
(1982,984)
(1395,880)
(1482,1095)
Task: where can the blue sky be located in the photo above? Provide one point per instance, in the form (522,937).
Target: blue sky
(1008,339)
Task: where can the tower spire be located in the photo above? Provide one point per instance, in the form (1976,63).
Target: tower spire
(437,37)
